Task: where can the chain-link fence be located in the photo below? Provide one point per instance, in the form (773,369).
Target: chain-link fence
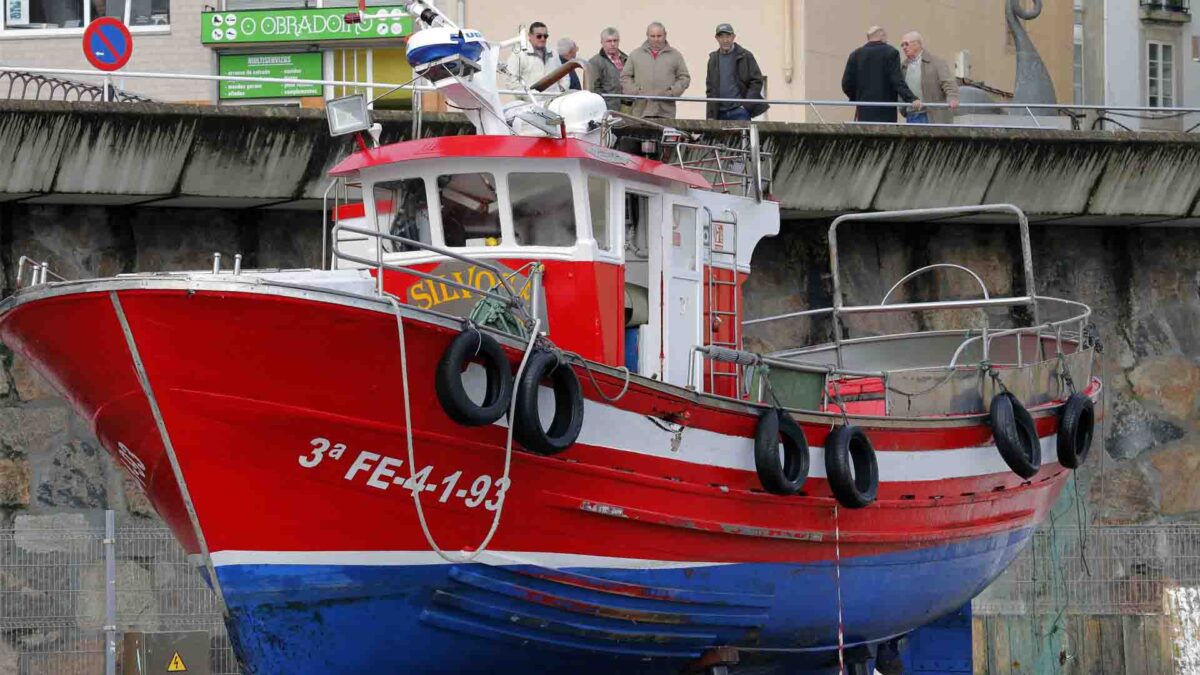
(1119,600)
(53,602)
(1097,571)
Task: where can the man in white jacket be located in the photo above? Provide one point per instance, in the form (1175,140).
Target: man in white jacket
(530,65)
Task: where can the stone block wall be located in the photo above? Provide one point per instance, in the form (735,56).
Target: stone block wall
(49,459)
(55,477)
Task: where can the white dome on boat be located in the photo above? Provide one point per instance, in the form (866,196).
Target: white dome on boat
(434,44)
(581,110)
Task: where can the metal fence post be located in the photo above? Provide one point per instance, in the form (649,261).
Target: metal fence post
(110,593)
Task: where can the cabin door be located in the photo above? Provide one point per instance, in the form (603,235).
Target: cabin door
(682,309)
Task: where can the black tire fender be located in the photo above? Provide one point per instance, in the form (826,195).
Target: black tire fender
(1076,422)
(1015,434)
(473,346)
(851,467)
(786,477)
(568,405)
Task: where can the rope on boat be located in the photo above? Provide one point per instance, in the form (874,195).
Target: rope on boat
(994,374)
(464,555)
(763,372)
(950,372)
(841,403)
(837,553)
(588,369)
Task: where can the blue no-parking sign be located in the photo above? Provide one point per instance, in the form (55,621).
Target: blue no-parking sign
(107,44)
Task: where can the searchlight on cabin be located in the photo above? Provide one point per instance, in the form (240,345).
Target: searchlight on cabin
(347,115)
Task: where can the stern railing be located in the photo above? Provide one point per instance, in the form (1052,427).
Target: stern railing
(1074,329)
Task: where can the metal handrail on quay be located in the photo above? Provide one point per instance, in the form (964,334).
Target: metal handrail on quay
(1025,111)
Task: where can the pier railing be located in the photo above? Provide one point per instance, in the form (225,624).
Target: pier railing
(1000,114)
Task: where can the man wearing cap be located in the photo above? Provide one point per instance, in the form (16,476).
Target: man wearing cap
(733,73)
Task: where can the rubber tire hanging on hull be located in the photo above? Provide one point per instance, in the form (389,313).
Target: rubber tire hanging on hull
(1076,421)
(568,405)
(473,345)
(851,467)
(787,478)
(1016,435)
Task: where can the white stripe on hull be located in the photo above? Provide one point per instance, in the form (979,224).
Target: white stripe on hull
(607,426)
(413,558)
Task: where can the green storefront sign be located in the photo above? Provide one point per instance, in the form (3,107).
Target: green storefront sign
(301,25)
(307,66)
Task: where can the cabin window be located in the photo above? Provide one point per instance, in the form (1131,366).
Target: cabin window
(598,200)
(543,209)
(637,227)
(403,205)
(470,209)
(683,238)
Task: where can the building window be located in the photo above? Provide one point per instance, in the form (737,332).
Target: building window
(1077,75)
(37,17)
(372,65)
(1160,75)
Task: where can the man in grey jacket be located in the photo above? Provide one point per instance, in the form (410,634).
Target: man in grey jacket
(604,69)
(655,69)
(931,79)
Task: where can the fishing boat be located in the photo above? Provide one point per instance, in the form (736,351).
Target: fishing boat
(513,426)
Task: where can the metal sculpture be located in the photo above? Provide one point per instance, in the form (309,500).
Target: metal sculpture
(1033,80)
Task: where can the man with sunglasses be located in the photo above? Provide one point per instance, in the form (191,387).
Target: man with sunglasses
(527,66)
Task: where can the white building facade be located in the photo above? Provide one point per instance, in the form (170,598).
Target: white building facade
(256,38)
(1139,53)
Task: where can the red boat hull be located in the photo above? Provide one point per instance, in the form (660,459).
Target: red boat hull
(285,411)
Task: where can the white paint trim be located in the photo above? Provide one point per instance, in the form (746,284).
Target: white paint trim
(606,426)
(415,558)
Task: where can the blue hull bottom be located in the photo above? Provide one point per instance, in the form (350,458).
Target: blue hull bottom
(483,619)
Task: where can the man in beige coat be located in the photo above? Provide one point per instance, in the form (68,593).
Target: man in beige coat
(655,69)
(931,80)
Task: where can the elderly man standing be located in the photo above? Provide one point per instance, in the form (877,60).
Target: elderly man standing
(604,69)
(733,73)
(873,74)
(931,79)
(655,69)
(567,51)
(527,66)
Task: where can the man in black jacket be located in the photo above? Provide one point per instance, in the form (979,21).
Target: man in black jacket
(873,74)
(733,73)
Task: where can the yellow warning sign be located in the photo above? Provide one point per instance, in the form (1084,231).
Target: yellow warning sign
(176,664)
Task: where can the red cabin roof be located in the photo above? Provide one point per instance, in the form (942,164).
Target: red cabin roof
(513,147)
